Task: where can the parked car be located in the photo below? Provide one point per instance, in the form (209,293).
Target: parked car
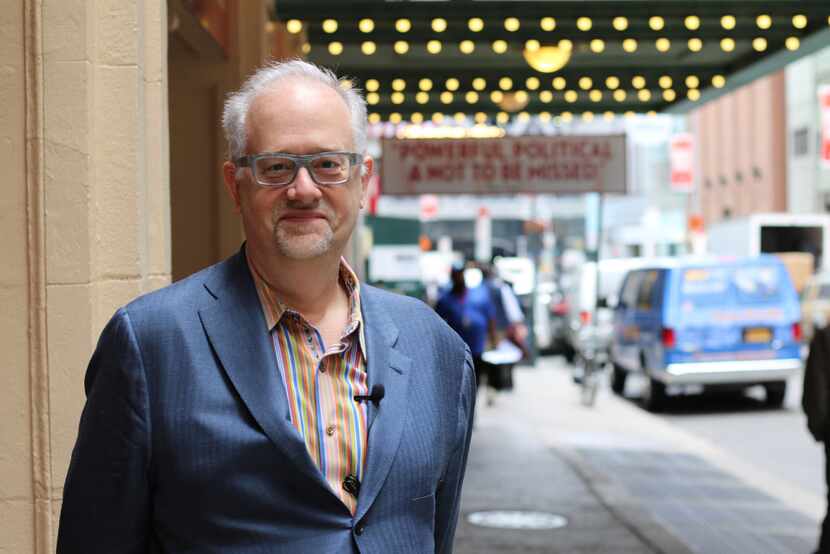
(587,308)
(727,323)
(815,304)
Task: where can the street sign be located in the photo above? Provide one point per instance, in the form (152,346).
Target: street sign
(681,157)
(565,164)
(824,106)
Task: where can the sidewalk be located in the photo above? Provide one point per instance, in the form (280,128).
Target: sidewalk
(625,481)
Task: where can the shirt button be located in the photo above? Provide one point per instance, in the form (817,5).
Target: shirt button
(330,430)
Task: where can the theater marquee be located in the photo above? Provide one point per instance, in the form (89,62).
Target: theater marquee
(555,165)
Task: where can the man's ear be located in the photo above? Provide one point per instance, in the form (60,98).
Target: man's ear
(231,185)
(369,164)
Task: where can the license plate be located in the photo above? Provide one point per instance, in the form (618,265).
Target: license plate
(757,334)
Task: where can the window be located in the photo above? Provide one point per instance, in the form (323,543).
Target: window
(645,295)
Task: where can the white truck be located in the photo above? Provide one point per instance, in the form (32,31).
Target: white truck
(772,233)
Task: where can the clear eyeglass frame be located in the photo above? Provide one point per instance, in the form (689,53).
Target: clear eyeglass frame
(300,160)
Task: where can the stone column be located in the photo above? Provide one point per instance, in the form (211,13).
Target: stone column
(86,212)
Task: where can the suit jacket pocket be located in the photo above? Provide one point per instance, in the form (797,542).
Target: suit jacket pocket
(423,508)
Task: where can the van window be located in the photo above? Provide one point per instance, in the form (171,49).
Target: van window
(646,293)
(745,284)
(628,295)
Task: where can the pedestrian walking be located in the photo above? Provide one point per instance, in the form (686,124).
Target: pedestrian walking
(816,403)
(272,402)
(470,312)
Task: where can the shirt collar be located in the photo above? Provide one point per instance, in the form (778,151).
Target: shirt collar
(274,309)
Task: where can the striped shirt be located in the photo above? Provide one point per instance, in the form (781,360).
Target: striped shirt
(321,382)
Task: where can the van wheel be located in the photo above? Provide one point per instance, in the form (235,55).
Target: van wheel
(776,393)
(654,395)
(618,376)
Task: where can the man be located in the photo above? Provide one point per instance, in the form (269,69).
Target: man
(470,312)
(271,403)
(816,403)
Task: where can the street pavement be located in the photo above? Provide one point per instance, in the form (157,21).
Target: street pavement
(624,481)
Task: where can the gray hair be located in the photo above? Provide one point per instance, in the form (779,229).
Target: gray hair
(267,76)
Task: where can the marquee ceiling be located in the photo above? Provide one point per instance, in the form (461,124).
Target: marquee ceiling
(419,58)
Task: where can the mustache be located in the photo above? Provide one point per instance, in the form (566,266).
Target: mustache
(318,205)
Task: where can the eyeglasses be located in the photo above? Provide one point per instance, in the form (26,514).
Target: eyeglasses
(276,169)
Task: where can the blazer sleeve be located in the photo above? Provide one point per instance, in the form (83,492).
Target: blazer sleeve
(815,397)
(449,491)
(106,503)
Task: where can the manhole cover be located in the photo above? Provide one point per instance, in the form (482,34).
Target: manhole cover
(517,519)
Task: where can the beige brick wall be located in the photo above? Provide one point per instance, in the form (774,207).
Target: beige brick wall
(86,223)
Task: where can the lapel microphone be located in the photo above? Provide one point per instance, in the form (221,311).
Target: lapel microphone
(374,397)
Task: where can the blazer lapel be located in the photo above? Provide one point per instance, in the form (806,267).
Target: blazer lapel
(386,365)
(236,328)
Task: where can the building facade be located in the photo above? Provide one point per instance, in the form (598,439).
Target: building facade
(112,152)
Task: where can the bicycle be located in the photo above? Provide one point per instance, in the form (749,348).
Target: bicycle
(592,357)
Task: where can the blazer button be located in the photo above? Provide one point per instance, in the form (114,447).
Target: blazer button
(358,530)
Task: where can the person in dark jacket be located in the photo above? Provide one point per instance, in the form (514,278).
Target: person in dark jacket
(816,404)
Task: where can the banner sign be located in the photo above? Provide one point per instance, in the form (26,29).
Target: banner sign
(570,164)
(824,107)
(681,157)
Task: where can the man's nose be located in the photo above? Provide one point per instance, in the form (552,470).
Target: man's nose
(303,187)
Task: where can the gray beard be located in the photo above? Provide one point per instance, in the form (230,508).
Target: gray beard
(302,246)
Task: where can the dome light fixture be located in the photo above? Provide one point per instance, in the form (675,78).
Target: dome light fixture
(656,23)
(439,24)
(511,24)
(620,23)
(294,26)
(499,46)
(330,26)
(401,47)
(728,22)
(403,25)
(727,44)
(548,59)
(547,24)
(366,25)
(695,44)
(759,44)
(692,22)
(467,46)
(475,24)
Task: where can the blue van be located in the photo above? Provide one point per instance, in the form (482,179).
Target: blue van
(711,323)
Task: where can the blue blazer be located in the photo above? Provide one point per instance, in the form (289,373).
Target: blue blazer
(185,443)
